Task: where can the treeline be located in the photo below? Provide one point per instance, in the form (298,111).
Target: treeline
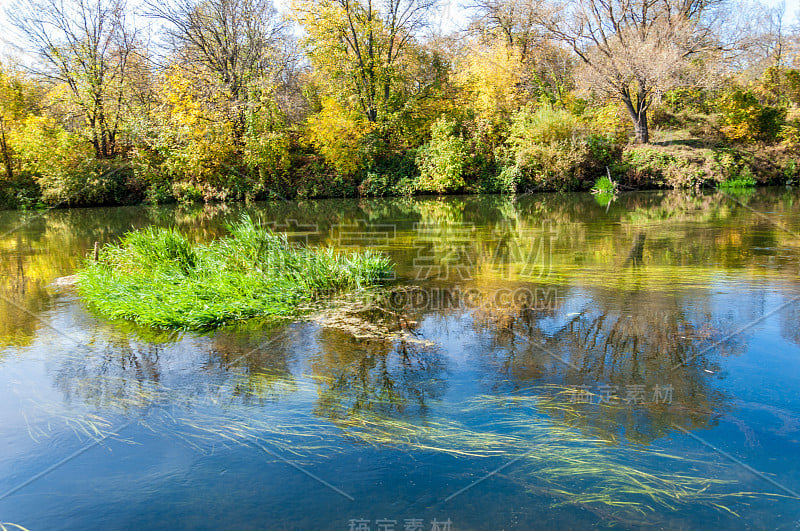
(219,100)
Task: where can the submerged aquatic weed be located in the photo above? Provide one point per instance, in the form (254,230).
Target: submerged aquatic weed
(157,277)
(8,526)
(555,459)
(619,483)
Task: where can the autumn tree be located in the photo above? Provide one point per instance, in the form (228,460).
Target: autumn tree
(510,33)
(359,47)
(235,51)
(86,46)
(15,103)
(634,50)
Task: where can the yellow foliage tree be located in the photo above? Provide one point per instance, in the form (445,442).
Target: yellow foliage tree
(491,76)
(198,137)
(337,134)
(358,47)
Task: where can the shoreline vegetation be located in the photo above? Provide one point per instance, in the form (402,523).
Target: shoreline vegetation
(360,103)
(156,277)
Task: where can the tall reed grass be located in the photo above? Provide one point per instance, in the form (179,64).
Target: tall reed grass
(157,277)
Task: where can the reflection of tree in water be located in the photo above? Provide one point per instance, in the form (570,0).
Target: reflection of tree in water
(379,376)
(790,323)
(128,368)
(254,361)
(51,244)
(619,339)
(119,374)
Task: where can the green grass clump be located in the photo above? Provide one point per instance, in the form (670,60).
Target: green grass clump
(156,277)
(604,185)
(738,182)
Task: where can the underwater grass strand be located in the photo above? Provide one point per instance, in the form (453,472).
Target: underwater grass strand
(8,526)
(156,277)
(554,460)
(557,460)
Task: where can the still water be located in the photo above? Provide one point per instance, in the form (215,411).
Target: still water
(540,362)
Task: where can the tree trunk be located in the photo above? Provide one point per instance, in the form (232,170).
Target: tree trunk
(641,129)
(6,152)
(638,114)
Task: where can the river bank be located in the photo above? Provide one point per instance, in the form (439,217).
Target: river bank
(571,163)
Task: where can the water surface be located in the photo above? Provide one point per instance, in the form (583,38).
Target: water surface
(544,361)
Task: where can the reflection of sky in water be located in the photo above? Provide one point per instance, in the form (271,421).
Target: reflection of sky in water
(310,394)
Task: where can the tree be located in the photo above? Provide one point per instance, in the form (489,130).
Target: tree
(359,46)
(635,50)
(234,50)
(11,102)
(491,76)
(18,99)
(508,36)
(85,45)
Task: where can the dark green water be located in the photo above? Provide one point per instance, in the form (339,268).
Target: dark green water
(544,362)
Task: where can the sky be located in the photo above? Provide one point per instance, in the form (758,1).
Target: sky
(453,15)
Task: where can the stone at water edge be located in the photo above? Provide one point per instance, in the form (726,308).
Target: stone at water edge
(64,282)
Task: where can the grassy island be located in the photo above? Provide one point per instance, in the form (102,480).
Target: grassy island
(157,277)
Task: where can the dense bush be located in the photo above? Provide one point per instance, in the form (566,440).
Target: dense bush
(543,125)
(553,149)
(607,122)
(442,161)
(482,146)
(746,119)
(790,132)
(21,190)
(61,167)
(558,165)
(391,173)
(681,167)
(267,154)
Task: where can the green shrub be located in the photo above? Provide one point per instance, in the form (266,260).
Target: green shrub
(551,149)
(509,179)
(442,161)
(554,166)
(21,191)
(267,154)
(745,119)
(391,173)
(481,169)
(544,125)
(188,192)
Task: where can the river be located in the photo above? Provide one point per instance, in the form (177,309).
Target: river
(545,361)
